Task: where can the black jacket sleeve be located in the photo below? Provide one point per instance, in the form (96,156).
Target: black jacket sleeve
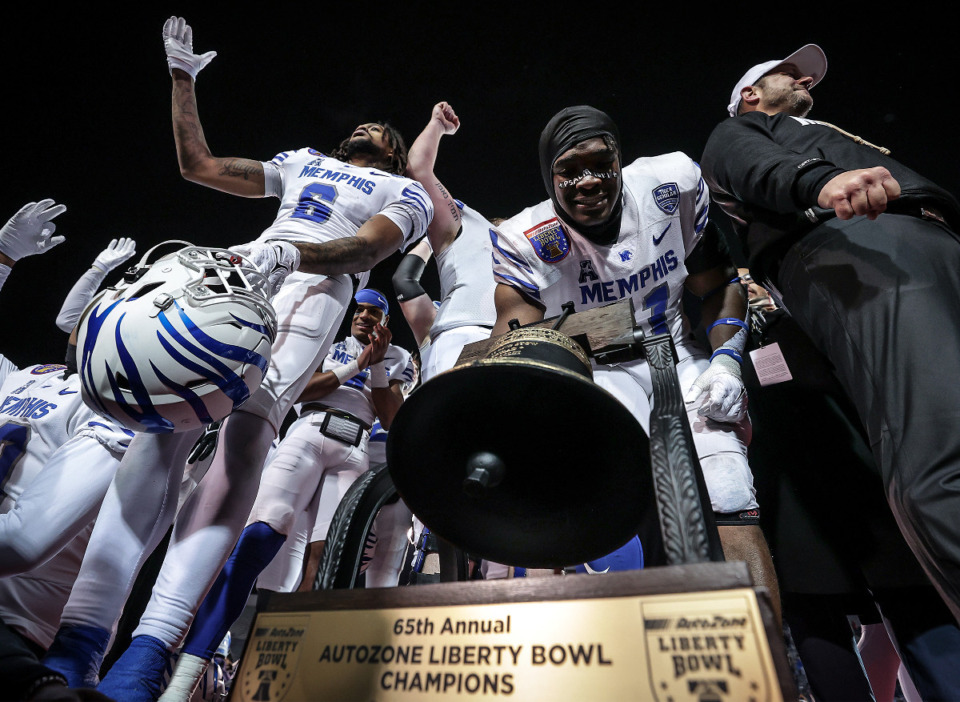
(766,162)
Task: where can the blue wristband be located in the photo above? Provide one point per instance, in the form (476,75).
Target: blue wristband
(728,352)
(733,321)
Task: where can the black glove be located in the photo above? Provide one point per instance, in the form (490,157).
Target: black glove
(206,444)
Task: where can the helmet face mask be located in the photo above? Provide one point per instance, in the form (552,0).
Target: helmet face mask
(181,342)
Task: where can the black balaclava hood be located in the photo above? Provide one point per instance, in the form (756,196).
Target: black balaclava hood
(565,130)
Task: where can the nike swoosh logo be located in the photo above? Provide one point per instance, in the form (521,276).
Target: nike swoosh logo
(68,392)
(591,571)
(658,239)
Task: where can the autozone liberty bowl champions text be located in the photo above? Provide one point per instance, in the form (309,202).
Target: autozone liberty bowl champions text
(463,667)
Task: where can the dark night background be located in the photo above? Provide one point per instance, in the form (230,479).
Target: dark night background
(86,112)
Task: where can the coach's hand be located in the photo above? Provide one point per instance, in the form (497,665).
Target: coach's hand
(862,192)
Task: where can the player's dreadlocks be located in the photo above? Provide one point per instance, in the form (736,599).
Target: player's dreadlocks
(398,162)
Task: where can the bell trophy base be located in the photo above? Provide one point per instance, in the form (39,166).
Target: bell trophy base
(698,632)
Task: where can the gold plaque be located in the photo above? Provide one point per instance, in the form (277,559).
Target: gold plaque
(680,647)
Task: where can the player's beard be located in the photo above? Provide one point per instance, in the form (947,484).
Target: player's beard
(360,146)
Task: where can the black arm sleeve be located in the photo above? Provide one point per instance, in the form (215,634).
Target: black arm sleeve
(406,279)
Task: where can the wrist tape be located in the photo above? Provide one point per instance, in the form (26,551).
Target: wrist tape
(378,376)
(344,373)
(735,345)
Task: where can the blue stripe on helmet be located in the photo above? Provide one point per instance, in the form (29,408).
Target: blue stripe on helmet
(231,385)
(94,325)
(198,406)
(234,353)
(256,327)
(147,416)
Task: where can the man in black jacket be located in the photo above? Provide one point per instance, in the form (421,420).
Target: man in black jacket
(862,252)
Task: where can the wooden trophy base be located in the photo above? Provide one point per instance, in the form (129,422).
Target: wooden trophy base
(697,632)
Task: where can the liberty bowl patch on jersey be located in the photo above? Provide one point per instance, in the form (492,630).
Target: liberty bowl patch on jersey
(667,197)
(48,368)
(549,241)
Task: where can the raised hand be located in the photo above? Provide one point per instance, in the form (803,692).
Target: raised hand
(30,230)
(443,114)
(178,43)
(117,251)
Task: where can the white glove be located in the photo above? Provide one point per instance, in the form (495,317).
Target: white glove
(726,399)
(274,259)
(118,251)
(29,231)
(178,43)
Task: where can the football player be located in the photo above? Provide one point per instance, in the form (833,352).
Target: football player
(339,214)
(642,231)
(320,457)
(57,458)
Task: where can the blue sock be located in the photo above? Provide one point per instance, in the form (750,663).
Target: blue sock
(77,652)
(224,604)
(627,557)
(138,674)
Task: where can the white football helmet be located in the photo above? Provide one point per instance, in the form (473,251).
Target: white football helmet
(181,342)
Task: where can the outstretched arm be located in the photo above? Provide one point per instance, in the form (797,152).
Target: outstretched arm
(417,307)
(237,176)
(30,231)
(375,240)
(421,160)
(118,251)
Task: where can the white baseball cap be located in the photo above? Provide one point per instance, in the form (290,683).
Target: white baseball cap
(810,59)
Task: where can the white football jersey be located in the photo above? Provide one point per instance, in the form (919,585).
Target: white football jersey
(32,602)
(466,283)
(322,199)
(40,410)
(355,395)
(665,207)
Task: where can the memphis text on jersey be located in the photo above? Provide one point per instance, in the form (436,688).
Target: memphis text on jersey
(314,170)
(594,290)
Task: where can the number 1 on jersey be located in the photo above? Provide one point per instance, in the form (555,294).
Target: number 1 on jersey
(656,301)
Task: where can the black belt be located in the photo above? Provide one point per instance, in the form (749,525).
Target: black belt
(320,407)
